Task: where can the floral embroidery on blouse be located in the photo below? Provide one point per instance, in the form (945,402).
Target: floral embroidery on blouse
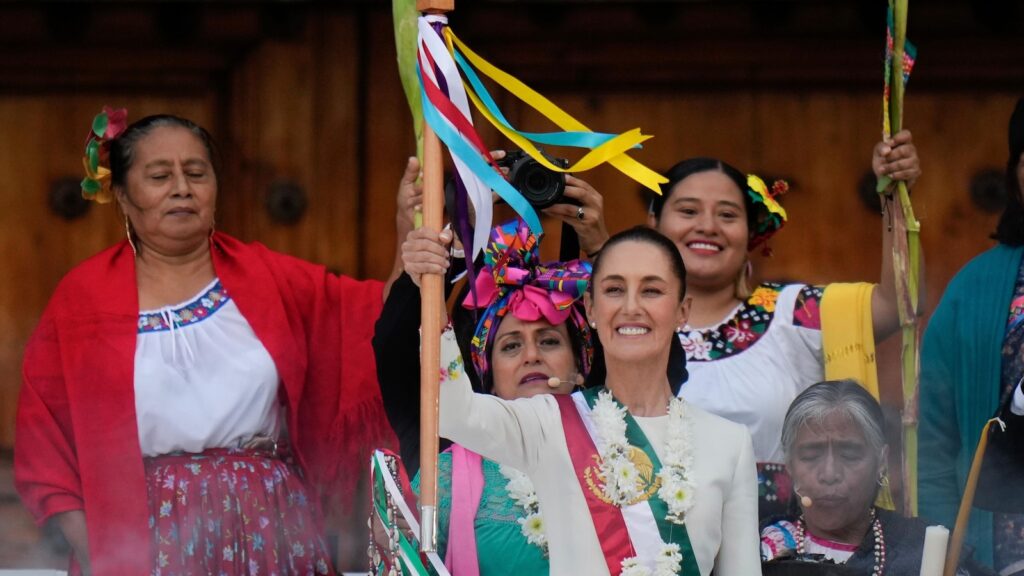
(200,308)
(749,323)
(765,297)
(453,371)
(807,310)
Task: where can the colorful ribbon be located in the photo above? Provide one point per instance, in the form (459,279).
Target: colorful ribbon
(474,170)
(515,280)
(604,146)
(909,57)
(616,147)
(106,126)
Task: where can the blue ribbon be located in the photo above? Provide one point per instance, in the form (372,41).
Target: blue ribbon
(467,154)
(589,140)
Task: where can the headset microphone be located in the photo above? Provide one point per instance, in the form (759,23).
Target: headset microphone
(805,501)
(554,382)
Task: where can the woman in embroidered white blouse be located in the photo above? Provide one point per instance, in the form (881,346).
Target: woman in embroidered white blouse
(630,479)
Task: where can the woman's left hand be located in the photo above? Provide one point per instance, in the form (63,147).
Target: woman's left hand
(587,218)
(896,158)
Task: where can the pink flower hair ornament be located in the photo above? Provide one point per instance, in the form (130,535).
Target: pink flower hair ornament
(106,126)
(515,281)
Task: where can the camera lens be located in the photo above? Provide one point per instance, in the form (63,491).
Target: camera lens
(538,185)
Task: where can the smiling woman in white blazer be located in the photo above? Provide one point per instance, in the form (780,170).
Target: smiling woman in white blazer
(568,447)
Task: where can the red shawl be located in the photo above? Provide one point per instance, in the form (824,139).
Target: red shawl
(77,445)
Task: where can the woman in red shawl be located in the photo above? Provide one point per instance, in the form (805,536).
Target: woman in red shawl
(187,398)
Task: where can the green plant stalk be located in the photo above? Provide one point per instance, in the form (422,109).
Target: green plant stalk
(404,16)
(908,318)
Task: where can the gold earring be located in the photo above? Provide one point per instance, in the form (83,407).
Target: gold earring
(128,233)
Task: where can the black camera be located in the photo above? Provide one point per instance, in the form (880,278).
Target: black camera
(540,186)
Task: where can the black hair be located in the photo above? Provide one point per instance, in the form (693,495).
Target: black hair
(1010,229)
(676,370)
(691,166)
(122,148)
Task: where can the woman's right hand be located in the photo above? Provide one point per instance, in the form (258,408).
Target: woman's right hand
(72,526)
(426,252)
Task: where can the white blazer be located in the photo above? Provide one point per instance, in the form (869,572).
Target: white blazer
(527,434)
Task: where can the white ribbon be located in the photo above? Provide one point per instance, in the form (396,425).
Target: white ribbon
(478,192)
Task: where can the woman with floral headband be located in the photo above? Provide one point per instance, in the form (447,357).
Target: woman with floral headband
(629,478)
(187,398)
(532,338)
(750,352)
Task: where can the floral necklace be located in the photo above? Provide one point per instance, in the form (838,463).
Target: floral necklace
(876,528)
(621,486)
(521,489)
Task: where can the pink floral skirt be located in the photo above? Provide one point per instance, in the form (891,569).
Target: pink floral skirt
(232,512)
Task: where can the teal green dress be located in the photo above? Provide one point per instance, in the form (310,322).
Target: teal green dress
(501,546)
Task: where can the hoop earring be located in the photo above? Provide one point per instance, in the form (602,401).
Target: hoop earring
(128,233)
(213,228)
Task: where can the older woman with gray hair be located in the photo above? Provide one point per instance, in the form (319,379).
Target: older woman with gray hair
(834,443)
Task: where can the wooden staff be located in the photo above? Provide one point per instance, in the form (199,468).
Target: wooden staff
(432,301)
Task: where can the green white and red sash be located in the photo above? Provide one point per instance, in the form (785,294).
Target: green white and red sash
(640,529)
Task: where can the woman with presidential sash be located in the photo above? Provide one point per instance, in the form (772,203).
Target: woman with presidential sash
(629,478)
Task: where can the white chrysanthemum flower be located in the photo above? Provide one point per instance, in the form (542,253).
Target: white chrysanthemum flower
(610,421)
(533,528)
(521,490)
(668,561)
(632,567)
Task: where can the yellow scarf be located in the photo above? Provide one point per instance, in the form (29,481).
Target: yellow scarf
(848,339)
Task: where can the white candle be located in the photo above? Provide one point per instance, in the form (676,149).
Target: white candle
(933,557)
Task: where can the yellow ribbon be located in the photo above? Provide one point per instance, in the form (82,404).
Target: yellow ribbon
(612,152)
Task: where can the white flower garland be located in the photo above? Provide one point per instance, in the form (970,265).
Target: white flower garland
(521,489)
(620,473)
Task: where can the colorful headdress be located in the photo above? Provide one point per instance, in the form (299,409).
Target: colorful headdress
(768,215)
(514,280)
(106,126)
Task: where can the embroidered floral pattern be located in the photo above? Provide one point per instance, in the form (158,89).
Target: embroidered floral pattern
(774,489)
(202,307)
(807,311)
(695,346)
(765,297)
(231,512)
(749,323)
(453,371)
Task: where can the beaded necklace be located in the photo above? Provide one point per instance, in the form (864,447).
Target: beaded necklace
(876,528)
